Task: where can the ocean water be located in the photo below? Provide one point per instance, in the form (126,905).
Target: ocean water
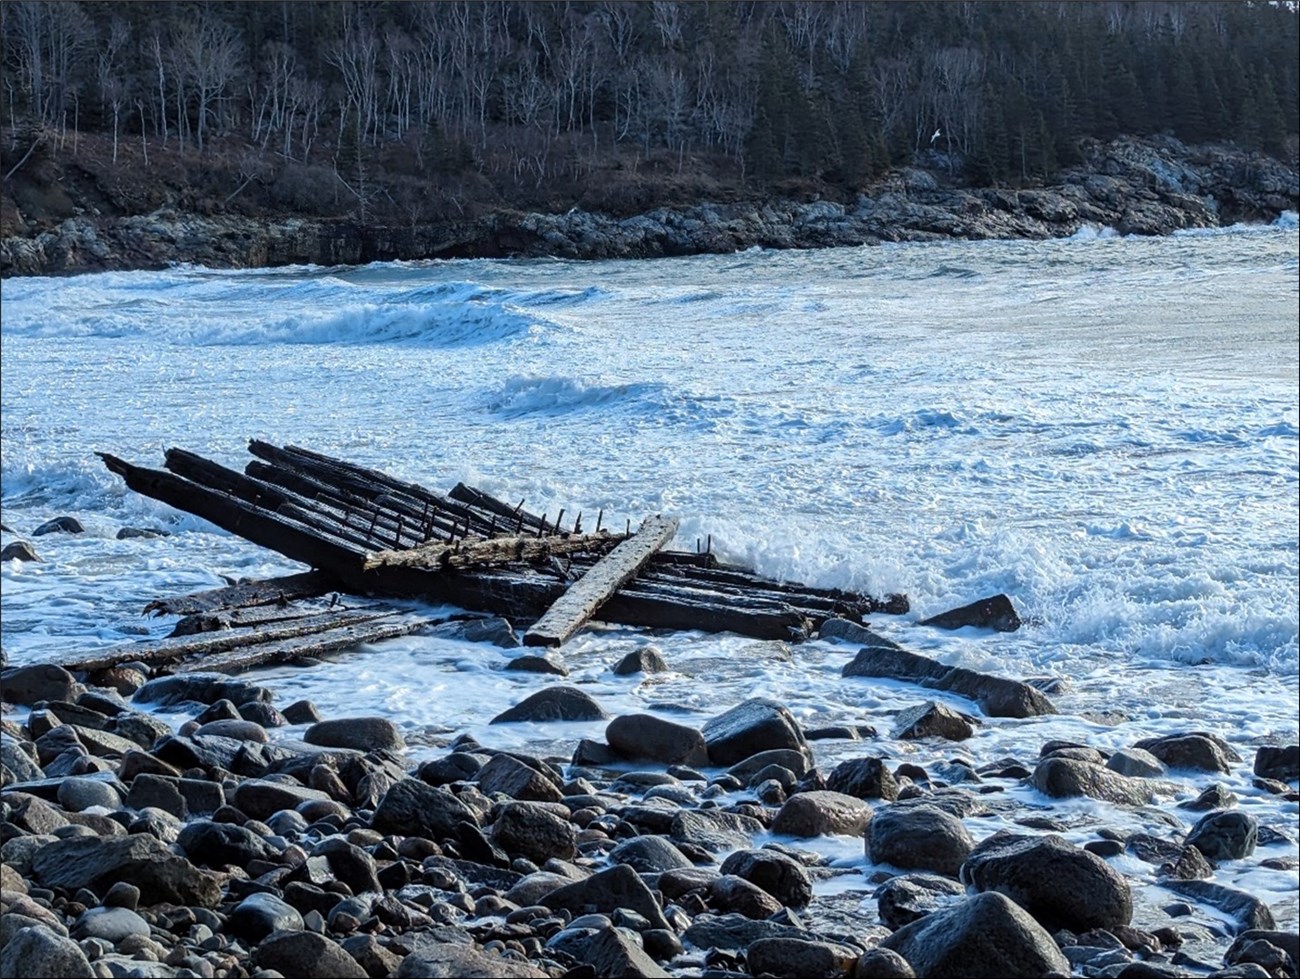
(1104,428)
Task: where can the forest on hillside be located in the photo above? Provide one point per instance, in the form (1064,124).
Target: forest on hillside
(418,110)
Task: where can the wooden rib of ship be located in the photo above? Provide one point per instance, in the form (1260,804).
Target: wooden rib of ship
(366,533)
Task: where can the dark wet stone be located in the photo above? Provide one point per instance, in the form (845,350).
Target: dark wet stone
(865,778)
(645,737)
(237,728)
(613,952)
(779,875)
(457,961)
(508,775)
(731,894)
(1066,777)
(411,808)
(259,915)
(995,612)
(806,958)
(650,855)
(38,953)
(1197,751)
(204,688)
(533,831)
(259,798)
(1288,942)
(301,712)
(359,733)
(557,703)
(933,720)
(919,837)
(78,794)
(350,864)
(818,813)
(1225,835)
(19,550)
(750,727)
(853,632)
(1249,911)
(128,533)
(110,924)
(1135,761)
(882,963)
(1104,848)
(1061,885)
(99,862)
(647,659)
(263,713)
(536,664)
(306,955)
(617,887)
(1216,796)
(1281,764)
(59,525)
(713,829)
(840,732)
(797,761)
(985,935)
(910,897)
(458,766)
(28,685)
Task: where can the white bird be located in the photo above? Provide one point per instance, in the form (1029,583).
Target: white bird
(936,135)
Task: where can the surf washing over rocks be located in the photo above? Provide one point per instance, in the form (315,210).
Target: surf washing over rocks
(1103,428)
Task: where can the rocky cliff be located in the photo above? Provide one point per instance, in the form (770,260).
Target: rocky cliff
(1146,187)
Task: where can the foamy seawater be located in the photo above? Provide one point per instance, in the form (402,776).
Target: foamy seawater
(1104,428)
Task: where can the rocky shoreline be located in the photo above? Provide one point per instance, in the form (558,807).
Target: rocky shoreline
(1135,186)
(256,840)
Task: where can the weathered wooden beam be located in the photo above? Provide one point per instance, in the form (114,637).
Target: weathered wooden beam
(495,550)
(246,594)
(572,609)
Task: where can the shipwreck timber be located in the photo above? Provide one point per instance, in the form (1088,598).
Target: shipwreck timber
(365,532)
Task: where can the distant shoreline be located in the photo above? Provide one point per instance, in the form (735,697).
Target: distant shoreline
(1134,186)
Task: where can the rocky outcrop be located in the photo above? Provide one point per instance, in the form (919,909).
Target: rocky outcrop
(1151,186)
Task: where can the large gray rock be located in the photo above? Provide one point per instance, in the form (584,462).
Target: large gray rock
(1249,911)
(616,952)
(359,733)
(456,961)
(510,776)
(59,525)
(933,720)
(805,958)
(558,703)
(259,915)
(1195,750)
(27,685)
(1066,777)
(1136,762)
(987,936)
(1282,764)
(734,931)
(204,688)
(98,862)
(750,727)
(80,794)
(644,737)
(647,659)
(865,778)
(650,855)
(259,798)
(1061,885)
(821,812)
(23,766)
(618,887)
(918,838)
(38,953)
(714,830)
(910,897)
(220,844)
(411,808)
(781,876)
(20,550)
(533,831)
(350,864)
(110,924)
(1225,835)
(307,955)
(995,612)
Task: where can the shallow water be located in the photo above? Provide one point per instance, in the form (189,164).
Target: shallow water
(1104,428)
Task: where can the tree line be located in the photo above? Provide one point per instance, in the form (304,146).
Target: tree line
(528,95)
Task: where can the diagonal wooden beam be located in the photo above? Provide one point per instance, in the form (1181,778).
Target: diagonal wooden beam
(582,600)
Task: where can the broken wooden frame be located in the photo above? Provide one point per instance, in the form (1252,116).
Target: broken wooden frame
(366,532)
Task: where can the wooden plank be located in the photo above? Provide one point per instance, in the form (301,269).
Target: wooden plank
(246,594)
(572,609)
(497,550)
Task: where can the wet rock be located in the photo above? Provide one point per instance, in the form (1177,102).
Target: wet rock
(985,935)
(513,778)
(533,831)
(448,961)
(781,876)
(821,812)
(735,931)
(203,688)
(496,630)
(807,959)
(919,837)
(1280,764)
(731,894)
(995,612)
(910,897)
(1249,911)
(80,794)
(110,924)
(129,533)
(865,778)
(996,696)
(301,712)
(650,855)
(306,955)
(647,659)
(797,762)
(1225,835)
(613,952)
(411,808)
(713,830)
(1287,942)
(558,703)
(1061,885)
(1135,761)
(644,737)
(1216,796)
(262,713)
(38,953)
(932,720)
(1066,777)
(259,798)
(350,864)
(19,550)
(360,733)
(1188,863)
(1197,751)
(882,963)
(536,664)
(23,766)
(98,862)
(752,726)
(618,887)
(59,525)
(851,632)
(237,728)
(27,685)
(259,915)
